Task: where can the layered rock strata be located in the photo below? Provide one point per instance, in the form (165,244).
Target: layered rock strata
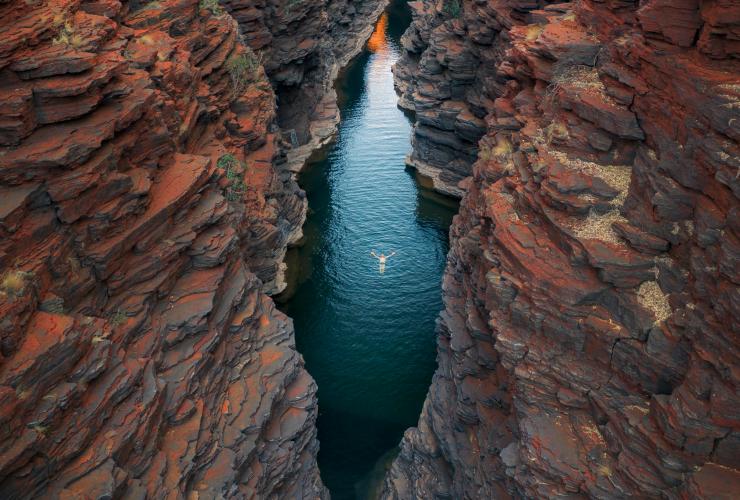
(442,77)
(589,342)
(140,205)
(303,45)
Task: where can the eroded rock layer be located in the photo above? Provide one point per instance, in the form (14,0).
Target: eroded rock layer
(141,199)
(303,45)
(589,342)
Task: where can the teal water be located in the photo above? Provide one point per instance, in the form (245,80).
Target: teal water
(368,339)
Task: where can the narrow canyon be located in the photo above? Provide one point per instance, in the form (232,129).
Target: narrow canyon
(153,161)
(367,337)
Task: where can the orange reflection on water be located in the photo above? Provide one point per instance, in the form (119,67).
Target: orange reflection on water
(377,41)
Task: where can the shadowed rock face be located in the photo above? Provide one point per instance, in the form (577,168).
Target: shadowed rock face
(588,345)
(144,212)
(304,44)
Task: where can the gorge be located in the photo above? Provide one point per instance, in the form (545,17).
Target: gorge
(587,344)
(368,338)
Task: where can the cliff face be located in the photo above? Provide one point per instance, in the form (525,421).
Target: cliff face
(589,342)
(140,192)
(303,45)
(443,76)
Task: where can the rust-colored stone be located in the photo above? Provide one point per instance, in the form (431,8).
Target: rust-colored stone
(139,353)
(591,293)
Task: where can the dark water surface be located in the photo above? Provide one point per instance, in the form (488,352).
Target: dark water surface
(368,339)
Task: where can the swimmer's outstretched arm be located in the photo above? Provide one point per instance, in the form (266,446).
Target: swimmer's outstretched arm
(391,254)
(374,254)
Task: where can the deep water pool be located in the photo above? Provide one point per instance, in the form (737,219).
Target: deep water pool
(368,338)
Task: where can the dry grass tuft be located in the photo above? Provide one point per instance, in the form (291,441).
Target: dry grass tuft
(570,16)
(617,177)
(502,148)
(599,226)
(651,297)
(556,130)
(533,32)
(578,77)
(14,283)
(146,40)
(58,20)
(68,37)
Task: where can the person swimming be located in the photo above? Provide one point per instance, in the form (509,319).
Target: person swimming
(382,259)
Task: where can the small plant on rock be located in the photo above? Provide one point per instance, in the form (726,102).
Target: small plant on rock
(22,393)
(235,171)
(453,8)
(68,37)
(14,283)
(38,428)
(242,70)
(213,6)
(118,318)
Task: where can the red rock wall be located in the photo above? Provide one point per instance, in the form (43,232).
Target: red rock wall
(589,342)
(304,44)
(139,354)
(444,77)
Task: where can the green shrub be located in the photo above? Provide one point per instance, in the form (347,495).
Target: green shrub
(213,6)
(242,69)
(453,8)
(227,161)
(118,318)
(235,171)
